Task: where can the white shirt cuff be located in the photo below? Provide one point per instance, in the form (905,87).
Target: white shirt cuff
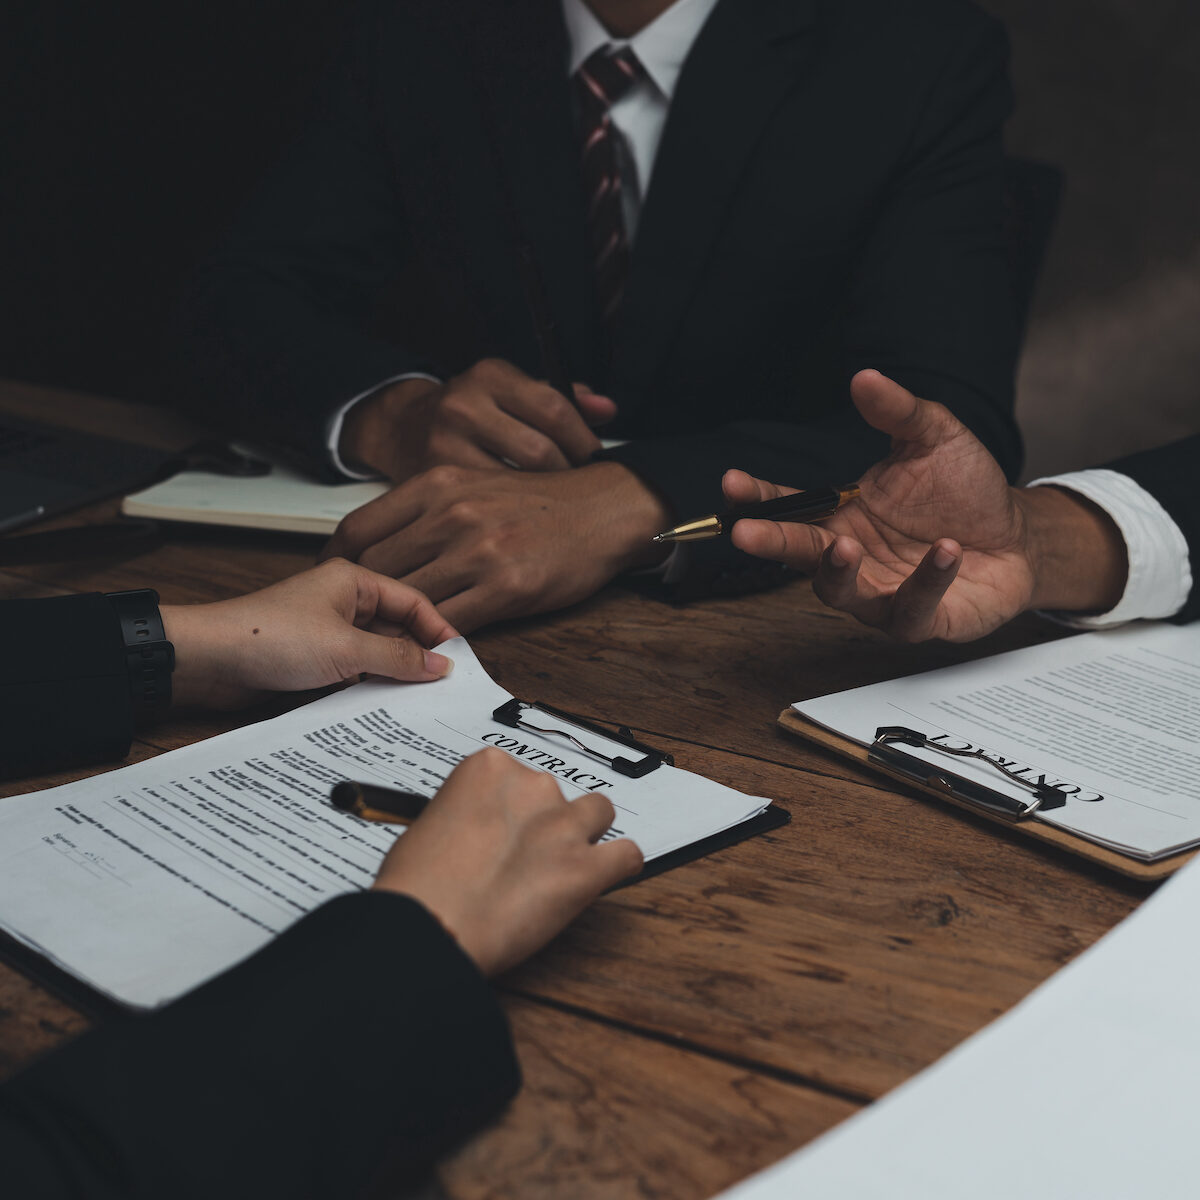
(333,429)
(1160,574)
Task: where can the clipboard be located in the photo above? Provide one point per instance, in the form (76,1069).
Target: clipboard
(999,810)
(523,714)
(620,750)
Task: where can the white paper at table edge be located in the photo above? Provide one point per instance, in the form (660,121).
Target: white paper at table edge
(841,1163)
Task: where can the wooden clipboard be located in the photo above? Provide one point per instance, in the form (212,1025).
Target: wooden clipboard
(1133,868)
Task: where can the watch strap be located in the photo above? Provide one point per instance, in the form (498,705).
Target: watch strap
(149,657)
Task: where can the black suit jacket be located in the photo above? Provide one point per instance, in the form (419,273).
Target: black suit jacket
(64,684)
(1169,475)
(337,1062)
(360,1044)
(826,197)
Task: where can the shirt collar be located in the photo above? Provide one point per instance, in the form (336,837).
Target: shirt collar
(661,47)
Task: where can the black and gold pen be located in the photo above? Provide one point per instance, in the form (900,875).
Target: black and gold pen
(802,508)
(372,803)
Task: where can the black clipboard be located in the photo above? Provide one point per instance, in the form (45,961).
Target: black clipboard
(642,762)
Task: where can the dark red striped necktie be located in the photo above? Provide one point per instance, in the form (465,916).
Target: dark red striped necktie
(599,83)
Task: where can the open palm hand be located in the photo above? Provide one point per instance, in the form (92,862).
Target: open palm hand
(936,512)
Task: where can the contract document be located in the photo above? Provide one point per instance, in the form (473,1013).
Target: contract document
(1109,719)
(146,881)
(1086,1089)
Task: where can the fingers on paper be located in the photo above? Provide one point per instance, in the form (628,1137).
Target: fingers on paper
(397,658)
(398,604)
(616,860)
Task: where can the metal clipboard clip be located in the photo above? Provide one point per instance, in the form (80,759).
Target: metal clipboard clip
(974,795)
(511,714)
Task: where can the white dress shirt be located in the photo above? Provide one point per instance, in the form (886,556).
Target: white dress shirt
(1160,572)
(640,114)
(639,117)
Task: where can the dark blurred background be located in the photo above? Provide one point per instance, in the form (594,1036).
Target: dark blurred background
(130,131)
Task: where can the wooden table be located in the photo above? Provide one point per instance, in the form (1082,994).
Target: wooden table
(692,1029)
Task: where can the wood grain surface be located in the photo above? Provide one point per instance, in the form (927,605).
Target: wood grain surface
(695,1027)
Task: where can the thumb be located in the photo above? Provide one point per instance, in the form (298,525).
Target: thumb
(895,411)
(396,658)
(596,409)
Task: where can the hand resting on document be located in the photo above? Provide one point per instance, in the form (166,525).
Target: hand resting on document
(938,545)
(326,625)
(504,861)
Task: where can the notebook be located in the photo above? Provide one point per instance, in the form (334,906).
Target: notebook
(283,500)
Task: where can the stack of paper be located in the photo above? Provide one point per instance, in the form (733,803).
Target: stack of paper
(1111,719)
(147,881)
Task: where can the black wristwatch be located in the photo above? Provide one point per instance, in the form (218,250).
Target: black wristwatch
(148,655)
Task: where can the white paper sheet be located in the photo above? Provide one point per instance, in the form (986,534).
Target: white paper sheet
(1112,718)
(1086,1089)
(148,880)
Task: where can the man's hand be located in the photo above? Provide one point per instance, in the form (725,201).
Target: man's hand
(938,511)
(489,417)
(326,625)
(487,545)
(503,861)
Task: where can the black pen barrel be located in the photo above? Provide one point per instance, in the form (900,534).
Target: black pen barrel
(811,505)
(350,796)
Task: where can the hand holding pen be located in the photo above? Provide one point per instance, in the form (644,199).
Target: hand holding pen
(937,544)
(777,504)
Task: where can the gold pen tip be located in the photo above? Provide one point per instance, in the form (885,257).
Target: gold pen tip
(659,537)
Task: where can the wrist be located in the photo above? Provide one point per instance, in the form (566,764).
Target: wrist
(1076,552)
(367,432)
(633,512)
(205,674)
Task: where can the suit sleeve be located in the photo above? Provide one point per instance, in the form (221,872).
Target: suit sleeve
(64,685)
(1169,475)
(276,333)
(339,1061)
(931,304)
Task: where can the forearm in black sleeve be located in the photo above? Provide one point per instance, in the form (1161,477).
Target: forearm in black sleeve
(352,1051)
(932,305)
(276,333)
(1169,475)
(687,469)
(64,684)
